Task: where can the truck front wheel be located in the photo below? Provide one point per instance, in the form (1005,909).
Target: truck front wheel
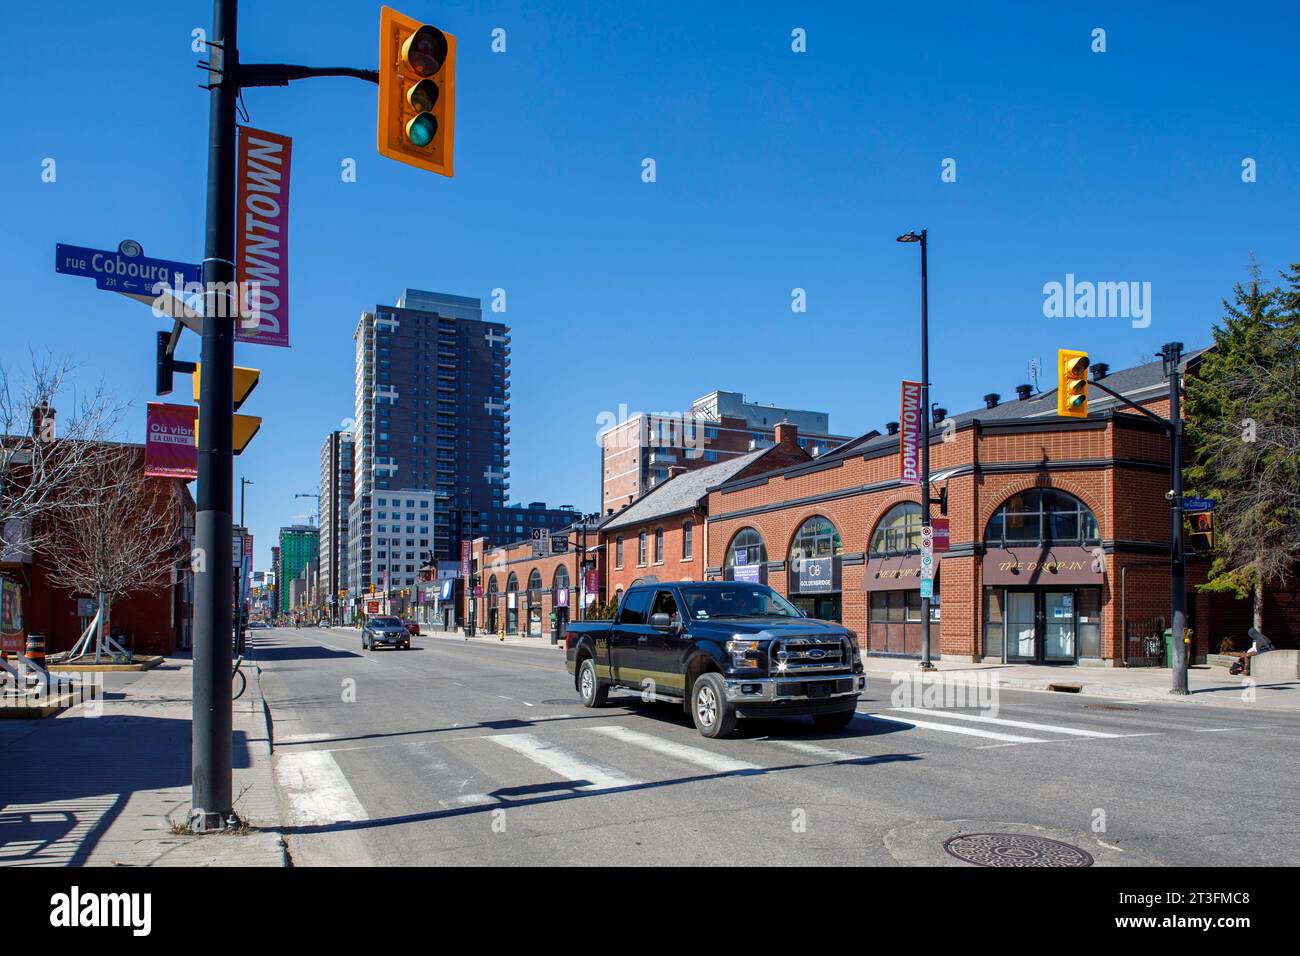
(594,691)
(714,716)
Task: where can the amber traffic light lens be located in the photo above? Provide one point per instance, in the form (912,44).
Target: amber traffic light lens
(425,50)
(423,95)
(421,130)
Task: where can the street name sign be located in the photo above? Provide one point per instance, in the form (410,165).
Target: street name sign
(118,271)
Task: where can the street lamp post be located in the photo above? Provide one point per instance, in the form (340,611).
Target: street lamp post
(926,501)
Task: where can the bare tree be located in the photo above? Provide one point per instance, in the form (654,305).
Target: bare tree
(39,455)
(114,530)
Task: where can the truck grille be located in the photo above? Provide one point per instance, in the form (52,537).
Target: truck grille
(804,655)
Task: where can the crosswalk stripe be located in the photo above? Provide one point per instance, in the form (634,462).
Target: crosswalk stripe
(951,728)
(567,764)
(695,755)
(316,788)
(816,750)
(1024,725)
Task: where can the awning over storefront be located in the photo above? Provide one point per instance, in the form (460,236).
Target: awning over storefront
(900,573)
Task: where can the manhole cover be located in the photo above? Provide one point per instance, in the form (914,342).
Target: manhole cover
(561,701)
(1109,707)
(1014,849)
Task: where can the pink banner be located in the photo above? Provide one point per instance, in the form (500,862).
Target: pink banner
(262,243)
(911,418)
(169,447)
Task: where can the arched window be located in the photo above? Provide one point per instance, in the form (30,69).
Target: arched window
(748,544)
(535,587)
(492,588)
(659,545)
(899,531)
(512,583)
(1041,516)
(561,579)
(816,539)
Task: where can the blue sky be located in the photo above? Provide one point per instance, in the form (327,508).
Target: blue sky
(775,170)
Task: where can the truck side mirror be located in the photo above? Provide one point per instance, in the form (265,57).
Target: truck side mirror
(661,621)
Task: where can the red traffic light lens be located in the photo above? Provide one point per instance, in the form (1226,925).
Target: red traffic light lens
(425,50)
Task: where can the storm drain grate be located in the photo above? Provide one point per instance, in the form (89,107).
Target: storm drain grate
(1014,849)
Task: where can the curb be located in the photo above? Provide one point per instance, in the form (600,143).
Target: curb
(143,664)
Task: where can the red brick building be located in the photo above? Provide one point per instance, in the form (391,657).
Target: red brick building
(664,535)
(1059,535)
(154,622)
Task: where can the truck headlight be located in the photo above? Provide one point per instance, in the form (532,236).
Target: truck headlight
(744,654)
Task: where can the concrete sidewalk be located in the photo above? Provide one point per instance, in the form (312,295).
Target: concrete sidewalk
(109,790)
(1208,685)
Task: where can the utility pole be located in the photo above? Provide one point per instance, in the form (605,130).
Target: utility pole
(211,803)
(1178,563)
(926,663)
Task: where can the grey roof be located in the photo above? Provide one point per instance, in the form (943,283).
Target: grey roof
(682,492)
(1132,382)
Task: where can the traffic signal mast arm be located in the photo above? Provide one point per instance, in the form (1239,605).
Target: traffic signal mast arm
(279,74)
(1131,404)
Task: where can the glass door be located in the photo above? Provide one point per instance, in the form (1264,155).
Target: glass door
(1021,626)
(1058,626)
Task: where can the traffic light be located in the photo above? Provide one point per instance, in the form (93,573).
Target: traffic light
(167,365)
(1072,387)
(1200,531)
(417,92)
(244,426)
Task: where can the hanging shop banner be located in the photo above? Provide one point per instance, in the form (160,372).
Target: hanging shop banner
(942,534)
(169,447)
(12,638)
(742,570)
(561,597)
(466,559)
(262,237)
(911,417)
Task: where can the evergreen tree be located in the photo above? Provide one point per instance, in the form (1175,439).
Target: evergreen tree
(1243,427)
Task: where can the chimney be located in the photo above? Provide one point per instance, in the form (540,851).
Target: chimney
(938,414)
(991,400)
(891,428)
(675,470)
(43,418)
(787,434)
(1023,392)
(1099,370)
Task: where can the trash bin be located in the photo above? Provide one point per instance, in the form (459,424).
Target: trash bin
(1169,646)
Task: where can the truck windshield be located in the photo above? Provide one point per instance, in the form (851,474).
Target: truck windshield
(736,600)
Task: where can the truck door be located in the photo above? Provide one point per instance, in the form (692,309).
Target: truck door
(663,653)
(627,635)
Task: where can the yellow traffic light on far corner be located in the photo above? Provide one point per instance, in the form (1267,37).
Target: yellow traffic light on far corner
(246,380)
(417,92)
(1072,383)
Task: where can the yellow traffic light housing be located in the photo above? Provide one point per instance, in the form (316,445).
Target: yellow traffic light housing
(1072,384)
(246,380)
(417,92)
(243,428)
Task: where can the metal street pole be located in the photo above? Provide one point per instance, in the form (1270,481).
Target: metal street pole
(210,796)
(1178,562)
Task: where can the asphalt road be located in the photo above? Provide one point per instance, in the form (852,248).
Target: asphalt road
(464,753)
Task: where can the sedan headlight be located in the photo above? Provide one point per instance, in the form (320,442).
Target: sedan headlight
(744,654)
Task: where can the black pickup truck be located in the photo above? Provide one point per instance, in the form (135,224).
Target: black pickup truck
(724,650)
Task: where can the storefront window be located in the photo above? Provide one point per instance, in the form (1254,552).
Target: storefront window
(748,553)
(899,531)
(816,539)
(1042,516)
(512,603)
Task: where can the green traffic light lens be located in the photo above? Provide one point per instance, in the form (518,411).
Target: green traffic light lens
(1078,400)
(421,130)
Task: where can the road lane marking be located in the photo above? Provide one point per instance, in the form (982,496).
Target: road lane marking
(316,789)
(303,738)
(563,762)
(1022,724)
(816,750)
(696,755)
(951,728)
